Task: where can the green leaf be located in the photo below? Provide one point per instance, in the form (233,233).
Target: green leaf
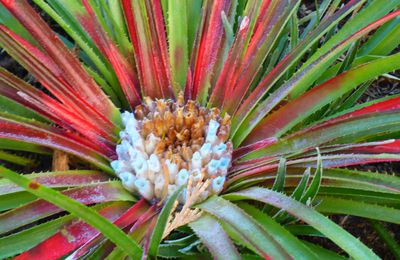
(331,230)
(162,221)
(375,10)
(242,224)
(11,22)
(279,182)
(22,146)
(390,241)
(324,253)
(17,243)
(85,213)
(14,200)
(60,179)
(330,205)
(384,40)
(303,230)
(302,185)
(214,237)
(12,107)
(60,11)
(291,59)
(178,42)
(16,159)
(355,194)
(316,65)
(290,243)
(312,190)
(348,131)
(297,110)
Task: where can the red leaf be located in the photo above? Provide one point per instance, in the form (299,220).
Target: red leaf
(53,138)
(21,92)
(278,71)
(209,40)
(243,150)
(130,216)
(390,147)
(72,70)
(146,30)
(270,21)
(226,79)
(124,72)
(28,213)
(71,236)
(58,179)
(46,71)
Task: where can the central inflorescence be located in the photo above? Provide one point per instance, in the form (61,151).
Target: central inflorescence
(167,144)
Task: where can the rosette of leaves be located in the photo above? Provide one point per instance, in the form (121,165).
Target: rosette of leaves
(290,84)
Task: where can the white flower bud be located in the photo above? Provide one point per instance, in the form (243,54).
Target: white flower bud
(123,150)
(218,184)
(126,117)
(136,139)
(119,166)
(151,143)
(171,189)
(224,164)
(145,188)
(154,167)
(141,168)
(212,131)
(196,161)
(173,171)
(123,135)
(159,185)
(212,167)
(182,177)
(128,180)
(219,149)
(196,175)
(205,150)
(133,154)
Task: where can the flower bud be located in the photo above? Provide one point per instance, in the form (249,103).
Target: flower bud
(145,188)
(182,177)
(218,184)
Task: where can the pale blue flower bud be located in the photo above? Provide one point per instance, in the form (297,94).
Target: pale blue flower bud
(182,177)
(128,180)
(218,184)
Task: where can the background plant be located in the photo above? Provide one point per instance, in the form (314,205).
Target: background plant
(290,84)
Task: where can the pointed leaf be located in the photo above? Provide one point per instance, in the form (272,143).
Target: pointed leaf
(88,215)
(331,230)
(214,237)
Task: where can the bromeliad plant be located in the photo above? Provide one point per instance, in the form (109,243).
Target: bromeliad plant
(172,113)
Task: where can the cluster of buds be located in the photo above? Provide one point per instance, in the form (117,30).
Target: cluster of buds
(166,143)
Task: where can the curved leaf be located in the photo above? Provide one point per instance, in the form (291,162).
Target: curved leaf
(351,130)
(282,120)
(71,236)
(17,243)
(89,194)
(245,226)
(162,221)
(290,243)
(330,205)
(331,230)
(88,215)
(214,237)
(56,179)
